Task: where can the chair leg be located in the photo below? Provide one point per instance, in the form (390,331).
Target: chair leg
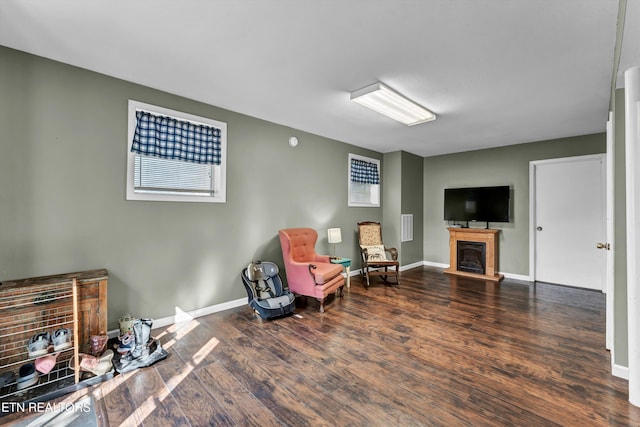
(321,304)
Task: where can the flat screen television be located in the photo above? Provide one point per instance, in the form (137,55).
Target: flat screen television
(485,204)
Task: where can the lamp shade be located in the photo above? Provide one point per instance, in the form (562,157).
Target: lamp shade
(334,235)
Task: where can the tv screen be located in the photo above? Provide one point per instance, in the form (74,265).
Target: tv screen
(486,204)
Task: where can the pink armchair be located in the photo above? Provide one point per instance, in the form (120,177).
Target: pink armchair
(308,273)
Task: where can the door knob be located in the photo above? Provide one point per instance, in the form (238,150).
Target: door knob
(606,246)
(539,228)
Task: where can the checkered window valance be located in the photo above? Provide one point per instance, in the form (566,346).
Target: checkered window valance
(364,172)
(170,138)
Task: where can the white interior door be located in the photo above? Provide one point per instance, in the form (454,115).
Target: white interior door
(569,221)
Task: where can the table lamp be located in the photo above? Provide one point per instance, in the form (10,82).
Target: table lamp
(334,236)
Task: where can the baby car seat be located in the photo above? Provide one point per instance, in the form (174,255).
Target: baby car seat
(265,292)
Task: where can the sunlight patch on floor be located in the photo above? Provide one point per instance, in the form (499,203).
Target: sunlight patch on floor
(142,412)
(204,350)
(175,380)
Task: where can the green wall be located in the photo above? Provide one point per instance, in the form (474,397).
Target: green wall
(391,200)
(412,203)
(62,193)
(497,166)
(403,195)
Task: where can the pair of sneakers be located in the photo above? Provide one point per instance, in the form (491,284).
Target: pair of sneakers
(40,343)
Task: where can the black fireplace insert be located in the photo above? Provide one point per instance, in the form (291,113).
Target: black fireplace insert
(471,257)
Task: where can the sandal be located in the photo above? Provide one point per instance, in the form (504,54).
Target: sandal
(96,365)
(45,364)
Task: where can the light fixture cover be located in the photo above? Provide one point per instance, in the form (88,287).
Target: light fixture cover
(335,235)
(384,100)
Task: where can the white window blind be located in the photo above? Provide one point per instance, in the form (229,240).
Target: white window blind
(152,174)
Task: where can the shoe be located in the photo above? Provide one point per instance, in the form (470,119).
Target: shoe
(142,334)
(126,324)
(96,365)
(39,344)
(6,378)
(98,344)
(155,354)
(126,343)
(27,376)
(61,339)
(45,297)
(46,363)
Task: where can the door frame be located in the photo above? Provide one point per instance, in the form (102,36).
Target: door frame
(532,204)
(609,334)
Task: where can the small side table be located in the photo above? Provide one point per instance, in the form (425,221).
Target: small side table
(346,263)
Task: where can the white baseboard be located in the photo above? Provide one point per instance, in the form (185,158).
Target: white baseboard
(517,277)
(182,316)
(620,371)
(405,267)
(435,264)
(443,265)
(410,266)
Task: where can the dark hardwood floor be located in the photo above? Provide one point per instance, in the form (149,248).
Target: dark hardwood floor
(434,351)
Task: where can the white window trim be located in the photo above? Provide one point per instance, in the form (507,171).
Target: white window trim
(220,171)
(361,204)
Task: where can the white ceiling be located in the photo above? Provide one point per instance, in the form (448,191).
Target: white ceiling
(630,54)
(497,72)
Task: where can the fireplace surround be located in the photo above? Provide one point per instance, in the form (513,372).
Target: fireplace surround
(488,238)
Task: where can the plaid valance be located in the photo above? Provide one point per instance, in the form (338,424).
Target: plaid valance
(170,138)
(364,172)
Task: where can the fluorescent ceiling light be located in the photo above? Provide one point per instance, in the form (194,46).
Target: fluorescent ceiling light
(387,101)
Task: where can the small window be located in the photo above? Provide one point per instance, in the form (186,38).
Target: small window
(175,156)
(364,181)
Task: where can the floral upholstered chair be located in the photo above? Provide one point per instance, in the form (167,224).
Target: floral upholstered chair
(308,273)
(375,261)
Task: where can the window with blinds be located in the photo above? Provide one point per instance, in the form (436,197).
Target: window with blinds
(175,156)
(364,181)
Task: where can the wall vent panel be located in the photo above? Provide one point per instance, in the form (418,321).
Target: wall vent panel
(406,230)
